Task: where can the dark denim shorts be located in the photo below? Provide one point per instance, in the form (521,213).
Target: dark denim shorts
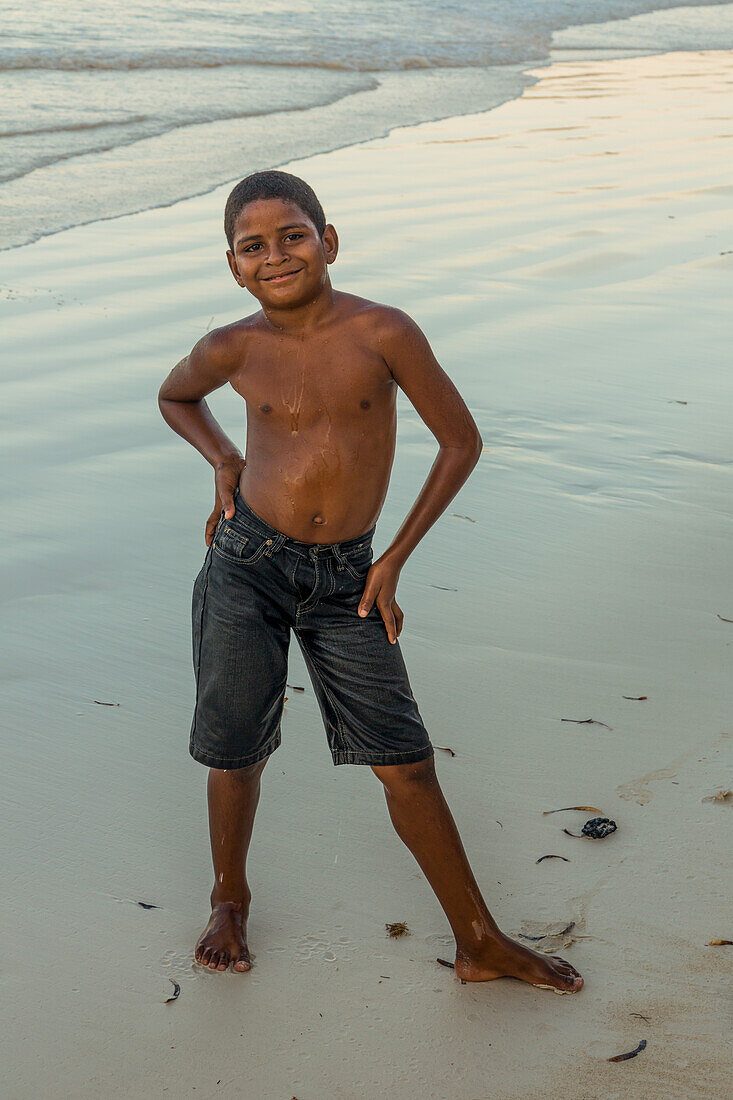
(256,584)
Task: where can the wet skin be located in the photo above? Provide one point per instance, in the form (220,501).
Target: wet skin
(319,371)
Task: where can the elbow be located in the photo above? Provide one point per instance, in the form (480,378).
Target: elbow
(164,403)
(474,446)
(469,449)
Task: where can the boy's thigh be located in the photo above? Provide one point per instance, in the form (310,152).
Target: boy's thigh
(240,653)
(362,687)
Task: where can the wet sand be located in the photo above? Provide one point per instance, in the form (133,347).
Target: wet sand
(570,257)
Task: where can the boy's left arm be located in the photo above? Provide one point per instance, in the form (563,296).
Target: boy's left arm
(417,372)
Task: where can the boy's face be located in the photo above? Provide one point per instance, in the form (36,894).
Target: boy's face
(278,255)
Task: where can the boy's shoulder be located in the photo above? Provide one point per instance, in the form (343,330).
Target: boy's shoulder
(228,343)
(378,318)
(374,320)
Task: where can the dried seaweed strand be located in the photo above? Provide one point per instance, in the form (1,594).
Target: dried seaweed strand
(562,809)
(586,722)
(552,857)
(176,991)
(548,935)
(629,1053)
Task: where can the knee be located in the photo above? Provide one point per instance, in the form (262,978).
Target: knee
(401,779)
(243,776)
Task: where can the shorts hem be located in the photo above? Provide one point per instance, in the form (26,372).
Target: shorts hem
(380,759)
(229,762)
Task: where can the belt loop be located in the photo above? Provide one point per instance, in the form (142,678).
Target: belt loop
(276,544)
(338,554)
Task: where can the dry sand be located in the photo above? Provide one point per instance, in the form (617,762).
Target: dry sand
(570,256)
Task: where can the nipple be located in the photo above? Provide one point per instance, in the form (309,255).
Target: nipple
(318,519)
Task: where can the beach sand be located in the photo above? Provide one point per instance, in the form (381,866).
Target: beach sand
(570,257)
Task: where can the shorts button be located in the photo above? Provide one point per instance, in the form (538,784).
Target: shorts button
(268,542)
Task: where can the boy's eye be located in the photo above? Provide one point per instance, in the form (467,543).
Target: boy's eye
(251,247)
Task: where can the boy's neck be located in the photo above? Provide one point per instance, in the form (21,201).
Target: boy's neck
(305,318)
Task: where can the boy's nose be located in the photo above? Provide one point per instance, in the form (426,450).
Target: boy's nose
(276,255)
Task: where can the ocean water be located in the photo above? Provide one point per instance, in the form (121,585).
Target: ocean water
(106,109)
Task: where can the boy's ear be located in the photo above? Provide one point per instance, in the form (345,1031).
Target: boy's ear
(330,243)
(233,267)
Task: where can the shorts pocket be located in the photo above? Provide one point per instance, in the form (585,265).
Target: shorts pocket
(358,561)
(238,547)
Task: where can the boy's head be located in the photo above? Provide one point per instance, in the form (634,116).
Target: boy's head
(279,241)
(272,185)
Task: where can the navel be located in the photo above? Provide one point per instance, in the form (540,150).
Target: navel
(318,519)
(266,408)
(365,404)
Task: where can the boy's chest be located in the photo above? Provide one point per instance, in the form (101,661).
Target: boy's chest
(346,383)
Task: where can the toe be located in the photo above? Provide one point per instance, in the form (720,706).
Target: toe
(564,967)
(243,963)
(223,961)
(213,960)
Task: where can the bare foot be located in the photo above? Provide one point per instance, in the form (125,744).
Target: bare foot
(503,958)
(224,941)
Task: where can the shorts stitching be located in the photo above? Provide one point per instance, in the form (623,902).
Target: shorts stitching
(332,575)
(303,608)
(376,759)
(241,561)
(213,761)
(207,565)
(351,570)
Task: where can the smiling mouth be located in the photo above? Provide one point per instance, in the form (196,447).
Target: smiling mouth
(282,277)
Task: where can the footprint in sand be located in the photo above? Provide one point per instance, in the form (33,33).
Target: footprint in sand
(638,789)
(319,947)
(179,966)
(549,938)
(439,939)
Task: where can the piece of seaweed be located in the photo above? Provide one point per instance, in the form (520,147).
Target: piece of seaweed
(176,991)
(629,1053)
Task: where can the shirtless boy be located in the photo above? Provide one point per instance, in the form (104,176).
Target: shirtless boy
(289,547)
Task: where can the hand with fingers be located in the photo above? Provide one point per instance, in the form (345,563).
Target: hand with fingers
(381,586)
(226,480)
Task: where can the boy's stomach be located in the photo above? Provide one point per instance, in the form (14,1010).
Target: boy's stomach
(331,496)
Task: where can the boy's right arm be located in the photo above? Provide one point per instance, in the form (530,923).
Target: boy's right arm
(210,365)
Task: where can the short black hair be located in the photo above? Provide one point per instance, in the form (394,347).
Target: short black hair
(272,185)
